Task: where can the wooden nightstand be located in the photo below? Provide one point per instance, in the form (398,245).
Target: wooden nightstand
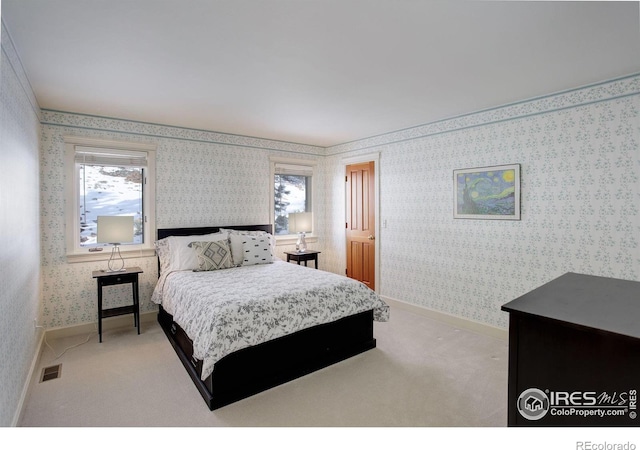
(308,255)
(105,278)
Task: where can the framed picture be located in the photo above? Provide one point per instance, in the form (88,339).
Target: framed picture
(487,193)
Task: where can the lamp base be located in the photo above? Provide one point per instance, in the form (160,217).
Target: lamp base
(301,245)
(116,262)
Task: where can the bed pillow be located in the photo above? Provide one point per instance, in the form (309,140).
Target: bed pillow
(163,251)
(212,255)
(256,250)
(179,255)
(235,239)
(246,232)
(186,257)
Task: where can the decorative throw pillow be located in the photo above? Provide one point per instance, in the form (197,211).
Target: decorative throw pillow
(256,250)
(237,237)
(183,257)
(235,240)
(212,255)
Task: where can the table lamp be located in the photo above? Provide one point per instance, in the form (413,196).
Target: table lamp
(301,223)
(115,230)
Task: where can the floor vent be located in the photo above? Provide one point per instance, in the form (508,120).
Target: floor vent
(51,373)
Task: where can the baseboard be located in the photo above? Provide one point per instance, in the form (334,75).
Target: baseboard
(456,321)
(53,333)
(27,384)
(107,324)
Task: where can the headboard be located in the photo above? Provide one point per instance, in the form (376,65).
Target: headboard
(166,232)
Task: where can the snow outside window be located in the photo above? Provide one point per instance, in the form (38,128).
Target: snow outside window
(292,193)
(108,179)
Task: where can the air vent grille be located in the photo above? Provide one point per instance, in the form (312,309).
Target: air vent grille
(51,373)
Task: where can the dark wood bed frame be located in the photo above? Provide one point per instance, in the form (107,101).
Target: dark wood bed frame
(261,367)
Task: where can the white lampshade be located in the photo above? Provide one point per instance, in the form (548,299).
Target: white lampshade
(301,222)
(115,229)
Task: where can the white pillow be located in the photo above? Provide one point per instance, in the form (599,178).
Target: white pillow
(184,257)
(235,239)
(256,250)
(248,232)
(237,254)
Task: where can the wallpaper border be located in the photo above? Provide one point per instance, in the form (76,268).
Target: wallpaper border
(139,128)
(603,91)
(616,88)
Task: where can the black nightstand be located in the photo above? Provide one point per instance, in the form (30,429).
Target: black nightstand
(308,255)
(105,278)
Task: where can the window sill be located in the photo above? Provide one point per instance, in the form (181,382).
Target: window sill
(106,254)
(291,240)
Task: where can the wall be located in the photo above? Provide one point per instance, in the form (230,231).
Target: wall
(580,196)
(203,178)
(580,162)
(19,230)
(580,189)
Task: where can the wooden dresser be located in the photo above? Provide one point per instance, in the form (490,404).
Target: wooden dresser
(574,353)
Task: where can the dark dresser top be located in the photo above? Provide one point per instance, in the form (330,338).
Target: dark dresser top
(606,304)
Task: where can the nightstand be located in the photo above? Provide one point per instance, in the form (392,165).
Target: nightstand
(105,278)
(307,255)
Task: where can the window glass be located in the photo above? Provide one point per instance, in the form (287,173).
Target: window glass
(108,178)
(292,193)
(109,191)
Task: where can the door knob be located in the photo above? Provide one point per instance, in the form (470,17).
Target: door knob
(371,237)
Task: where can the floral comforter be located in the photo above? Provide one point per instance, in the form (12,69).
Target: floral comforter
(226,310)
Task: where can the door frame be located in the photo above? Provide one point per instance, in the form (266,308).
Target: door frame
(367,157)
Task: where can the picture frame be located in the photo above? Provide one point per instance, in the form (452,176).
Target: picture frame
(491,193)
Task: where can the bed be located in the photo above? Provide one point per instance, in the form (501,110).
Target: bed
(254,322)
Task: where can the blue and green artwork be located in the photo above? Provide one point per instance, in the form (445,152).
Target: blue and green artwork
(490,193)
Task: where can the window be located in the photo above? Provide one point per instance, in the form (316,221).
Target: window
(108,178)
(292,187)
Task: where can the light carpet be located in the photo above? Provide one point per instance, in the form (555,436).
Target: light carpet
(423,373)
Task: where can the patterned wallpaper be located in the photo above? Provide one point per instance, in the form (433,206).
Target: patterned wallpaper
(579,156)
(580,161)
(19,230)
(203,178)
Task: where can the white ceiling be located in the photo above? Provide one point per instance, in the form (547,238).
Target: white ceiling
(319,72)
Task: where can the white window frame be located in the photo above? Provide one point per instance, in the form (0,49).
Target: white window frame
(77,253)
(306,166)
